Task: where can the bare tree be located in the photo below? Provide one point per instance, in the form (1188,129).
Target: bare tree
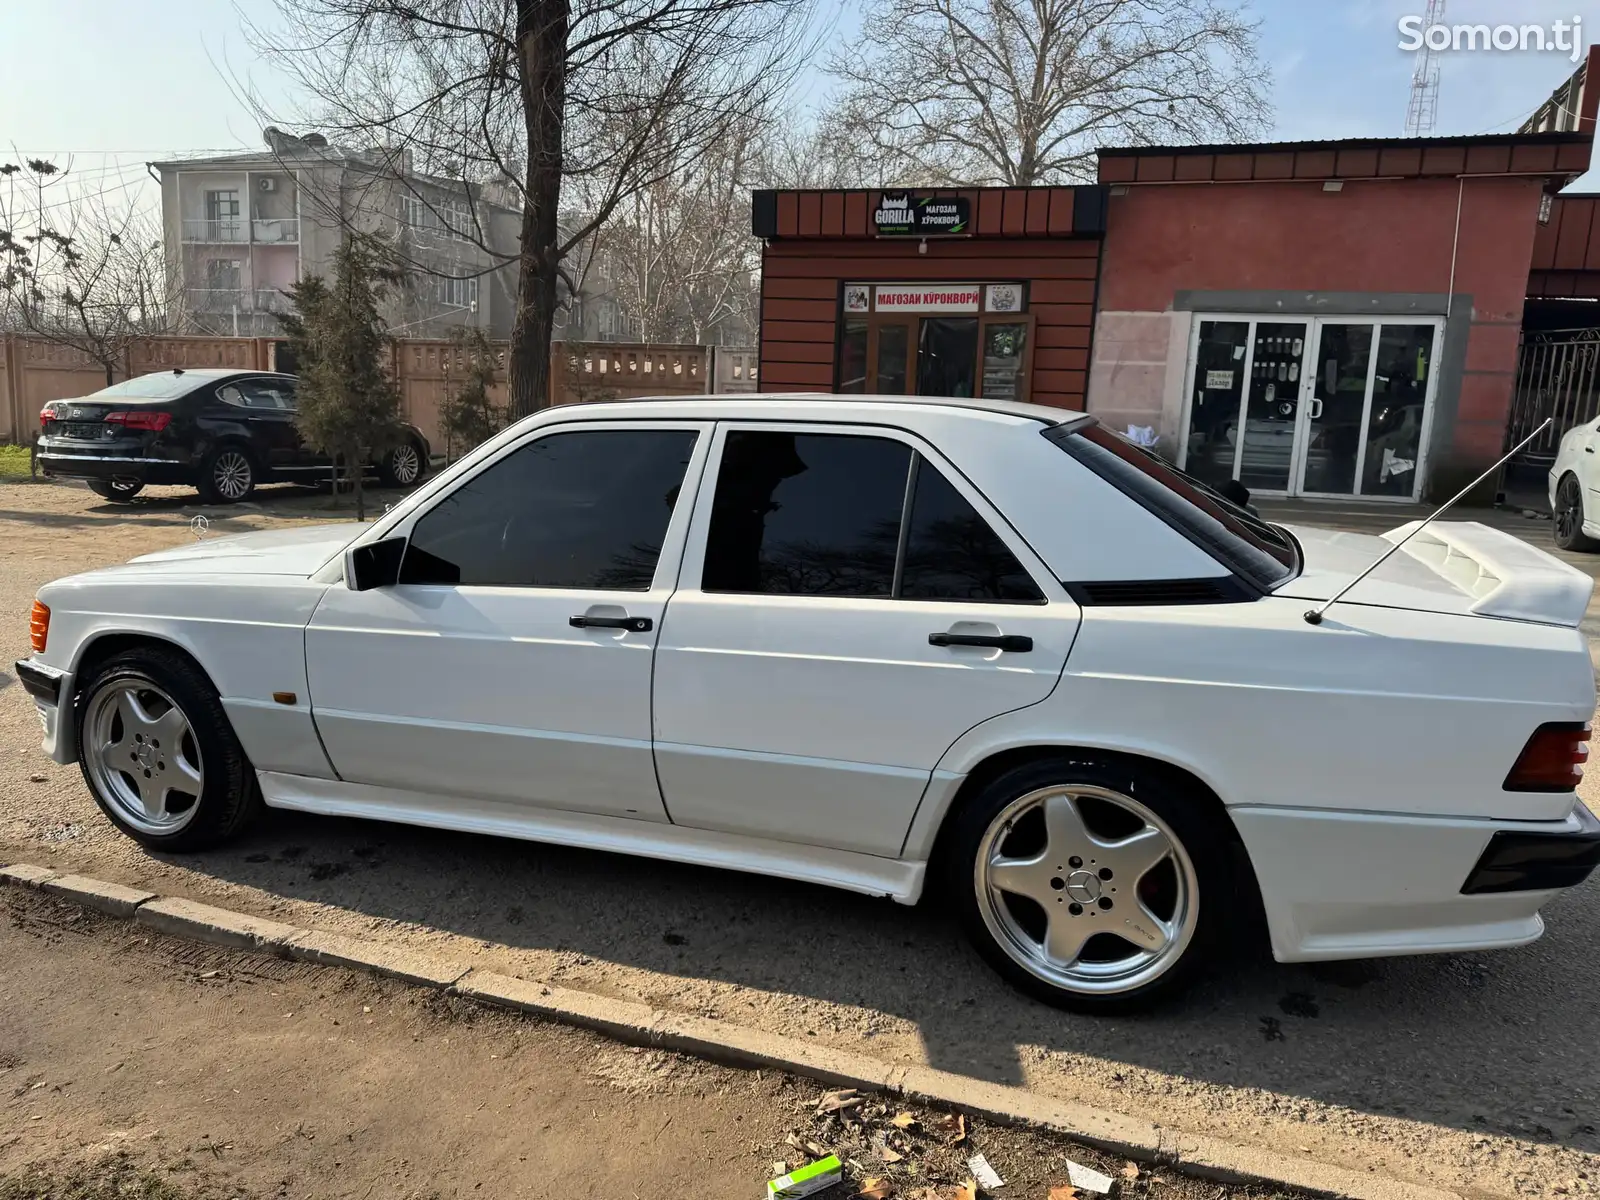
(76,270)
(602,98)
(1021,92)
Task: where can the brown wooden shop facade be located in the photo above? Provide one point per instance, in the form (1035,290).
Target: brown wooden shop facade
(990,292)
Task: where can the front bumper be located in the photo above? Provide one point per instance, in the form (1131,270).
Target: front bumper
(51,689)
(1366,885)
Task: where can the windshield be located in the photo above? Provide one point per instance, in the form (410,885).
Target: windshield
(1254,549)
(166,385)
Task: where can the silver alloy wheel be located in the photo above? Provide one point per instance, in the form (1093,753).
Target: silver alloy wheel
(405,463)
(142,755)
(1569,509)
(1135,886)
(231,475)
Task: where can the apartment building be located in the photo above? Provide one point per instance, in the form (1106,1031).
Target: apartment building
(241,229)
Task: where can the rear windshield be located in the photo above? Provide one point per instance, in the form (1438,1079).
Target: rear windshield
(166,385)
(1255,550)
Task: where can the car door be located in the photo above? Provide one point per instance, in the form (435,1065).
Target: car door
(511,662)
(849,606)
(268,423)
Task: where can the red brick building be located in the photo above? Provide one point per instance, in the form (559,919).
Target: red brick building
(1321,318)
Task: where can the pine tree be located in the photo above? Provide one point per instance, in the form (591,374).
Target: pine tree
(469,416)
(349,406)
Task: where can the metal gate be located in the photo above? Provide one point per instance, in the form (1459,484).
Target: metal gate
(1558,376)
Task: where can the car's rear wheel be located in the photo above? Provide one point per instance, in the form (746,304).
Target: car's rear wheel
(115,489)
(159,755)
(1568,516)
(227,476)
(403,466)
(1088,883)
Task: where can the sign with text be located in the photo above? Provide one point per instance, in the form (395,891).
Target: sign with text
(901,214)
(928,297)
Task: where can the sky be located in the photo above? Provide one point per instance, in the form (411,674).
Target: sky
(110,84)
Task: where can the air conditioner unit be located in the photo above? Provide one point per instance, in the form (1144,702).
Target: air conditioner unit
(267,184)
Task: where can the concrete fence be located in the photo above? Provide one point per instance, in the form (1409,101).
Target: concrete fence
(34,371)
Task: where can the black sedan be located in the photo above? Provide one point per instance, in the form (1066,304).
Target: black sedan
(220,431)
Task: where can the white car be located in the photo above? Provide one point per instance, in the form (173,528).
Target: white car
(1575,488)
(985,652)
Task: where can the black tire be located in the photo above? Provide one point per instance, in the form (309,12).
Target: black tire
(228,796)
(111,489)
(1191,826)
(404,466)
(228,475)
(1567,523)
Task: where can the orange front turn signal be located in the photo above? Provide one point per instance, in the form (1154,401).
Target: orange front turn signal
(39,627)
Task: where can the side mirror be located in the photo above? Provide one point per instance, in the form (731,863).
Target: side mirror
(374,565)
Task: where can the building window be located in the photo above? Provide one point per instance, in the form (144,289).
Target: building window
(222,215)
(224,274)
(451,292)
(451,216)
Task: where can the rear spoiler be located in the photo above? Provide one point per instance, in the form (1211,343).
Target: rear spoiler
(1505,576)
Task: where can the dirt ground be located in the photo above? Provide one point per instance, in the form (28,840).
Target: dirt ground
(1479,1072)
(214,1073)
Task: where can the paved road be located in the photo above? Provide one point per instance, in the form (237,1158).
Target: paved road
(1473,1071)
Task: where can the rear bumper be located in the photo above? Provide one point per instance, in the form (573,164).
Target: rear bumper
(108,467)
(1365,885)
(51,689)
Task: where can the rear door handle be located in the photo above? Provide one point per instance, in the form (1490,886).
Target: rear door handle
(1015,643)
(631,624)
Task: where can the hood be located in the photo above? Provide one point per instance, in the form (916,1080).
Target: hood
(273,552)
(1450,567)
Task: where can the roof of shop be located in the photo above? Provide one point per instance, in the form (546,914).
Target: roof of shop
(996,211)
(1351,158)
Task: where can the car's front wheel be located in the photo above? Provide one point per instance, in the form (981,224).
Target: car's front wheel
(115,489)
(159,755)
(1568,516)
(1088,883)
(227,476)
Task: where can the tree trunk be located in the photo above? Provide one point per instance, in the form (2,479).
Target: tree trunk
(355,465)
(542,68)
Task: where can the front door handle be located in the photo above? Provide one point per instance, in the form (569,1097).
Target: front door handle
(1316,409)
(1015,643)
(631,624)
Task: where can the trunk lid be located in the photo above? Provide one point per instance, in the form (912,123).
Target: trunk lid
(1461,567)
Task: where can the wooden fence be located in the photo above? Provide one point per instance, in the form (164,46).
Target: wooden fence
(34,372)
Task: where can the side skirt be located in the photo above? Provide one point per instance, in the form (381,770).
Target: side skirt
(864,873)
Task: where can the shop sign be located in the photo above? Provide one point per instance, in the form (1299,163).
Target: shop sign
(901,214)
(1003,298)
(930,297)
(857,298)
(1219,381)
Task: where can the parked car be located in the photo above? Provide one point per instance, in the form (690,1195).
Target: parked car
(985,651)
(1575,488)
(219,431)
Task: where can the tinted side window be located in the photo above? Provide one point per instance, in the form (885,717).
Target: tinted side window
(952,554)
(258,394)
(571,510)
(806,514)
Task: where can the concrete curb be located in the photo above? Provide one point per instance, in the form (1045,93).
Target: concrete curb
(735,1045)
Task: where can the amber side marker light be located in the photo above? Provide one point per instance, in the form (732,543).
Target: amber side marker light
(39,627)
(1553,759)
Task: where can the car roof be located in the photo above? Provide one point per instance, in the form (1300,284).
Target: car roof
(218,372)
(748,404)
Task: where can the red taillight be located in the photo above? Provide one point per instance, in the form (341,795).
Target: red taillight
(155,422)
(39,627)
(45,414)
(1553,759)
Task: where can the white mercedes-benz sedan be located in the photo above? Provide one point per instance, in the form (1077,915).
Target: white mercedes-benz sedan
(978,651)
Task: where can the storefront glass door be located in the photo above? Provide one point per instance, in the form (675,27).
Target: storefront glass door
(1310,407)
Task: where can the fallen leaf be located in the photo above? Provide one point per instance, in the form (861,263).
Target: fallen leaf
(875,1189)
(816,1149)
(1064,1193)
(843,1098)
(903,1121)
(953,1127)
(1131,1171)
(967,1191)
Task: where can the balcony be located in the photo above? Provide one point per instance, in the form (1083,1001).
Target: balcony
(244,300)
(265,231)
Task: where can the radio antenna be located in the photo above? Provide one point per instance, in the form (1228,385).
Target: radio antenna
(1314,617)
